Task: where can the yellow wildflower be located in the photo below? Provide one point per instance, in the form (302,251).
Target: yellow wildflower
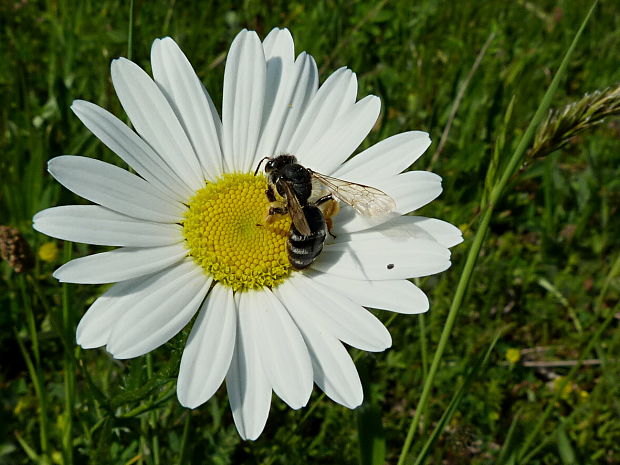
(48,252)
(513,355)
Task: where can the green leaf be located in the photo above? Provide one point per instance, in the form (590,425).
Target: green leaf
(567,455)
(140,393)
(101,455)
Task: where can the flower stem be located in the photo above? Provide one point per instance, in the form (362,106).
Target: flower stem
(69,371)
(184,439)
(474,250)
(153,415)
(423,345)
(130,31)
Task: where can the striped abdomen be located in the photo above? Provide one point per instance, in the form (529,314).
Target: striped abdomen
(302,250)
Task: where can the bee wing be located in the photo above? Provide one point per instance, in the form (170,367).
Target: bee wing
(366,200)
(295,210)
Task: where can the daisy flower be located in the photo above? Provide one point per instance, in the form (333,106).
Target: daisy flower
(189,227)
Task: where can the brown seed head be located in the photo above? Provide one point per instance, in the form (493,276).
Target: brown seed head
(15,250)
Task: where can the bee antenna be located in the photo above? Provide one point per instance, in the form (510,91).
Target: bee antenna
(260,163)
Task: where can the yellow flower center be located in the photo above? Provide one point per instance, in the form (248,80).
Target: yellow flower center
(227,236)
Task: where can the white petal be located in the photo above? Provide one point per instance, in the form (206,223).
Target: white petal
(443,232)
(386,158)
(336,95)
(295,90)
(284,355)
(400,228)
(410,191)
(92,224)
(244,93)
(304,83)
(279,52)
(131,148)
(180,84)
(349,322)
(279,43)
(97,323)
(209,349)
(384,257)
(164,304)
(280,56)
(349,96)
(334,371)
(397,296)
(155,120)
(249,391)
(114,188)
(120,264)
(342,138)
(405,228)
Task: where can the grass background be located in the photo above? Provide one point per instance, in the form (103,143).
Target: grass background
(544,276)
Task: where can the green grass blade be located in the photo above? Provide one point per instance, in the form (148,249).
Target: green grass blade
(371,435)
(567,454)
(543,107)
(69,369)
(474,251)
(39,387)
(455,401)
(30,452)
(369,424)
(507,450)
(423,345)
(183,453)
(590,342)
(130,31)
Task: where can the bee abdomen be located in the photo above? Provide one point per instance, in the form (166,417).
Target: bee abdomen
(301,253)
(303,249)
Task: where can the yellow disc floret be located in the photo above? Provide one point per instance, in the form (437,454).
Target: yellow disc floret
(227,235)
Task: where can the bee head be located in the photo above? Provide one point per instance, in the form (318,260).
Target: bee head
(276,163)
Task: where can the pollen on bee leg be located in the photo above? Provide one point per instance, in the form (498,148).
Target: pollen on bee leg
(330,208)
(275,212)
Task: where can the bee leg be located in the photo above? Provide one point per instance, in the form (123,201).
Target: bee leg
(324,199)
(271,196)
(276,207)
(330,209)
(330,224)
(275,212)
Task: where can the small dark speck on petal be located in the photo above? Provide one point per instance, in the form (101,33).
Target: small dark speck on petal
(390,266)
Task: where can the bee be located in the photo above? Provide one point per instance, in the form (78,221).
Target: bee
(302,248)
(312,219)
